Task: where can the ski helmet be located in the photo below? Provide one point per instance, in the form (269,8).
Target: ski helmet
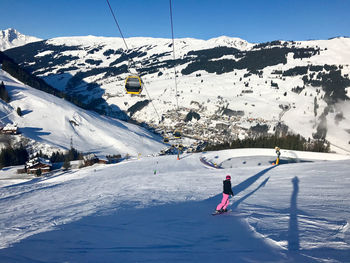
(228,177)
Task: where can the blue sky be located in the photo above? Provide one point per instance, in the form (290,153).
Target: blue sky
(252,20)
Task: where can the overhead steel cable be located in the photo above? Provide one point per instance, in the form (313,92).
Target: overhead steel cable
(173,44)
(116,22)
(160,120)
(127,48)
(121,33)
(174,59)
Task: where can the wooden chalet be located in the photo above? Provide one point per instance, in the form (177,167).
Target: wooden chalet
(10,129)
(90,159)
(38,163)
(102,159)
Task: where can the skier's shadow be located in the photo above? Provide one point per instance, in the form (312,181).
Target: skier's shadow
(245,184)
(248,182)
(236,203)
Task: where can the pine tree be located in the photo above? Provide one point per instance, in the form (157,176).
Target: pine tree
(19,111)
(316,106)
(66,164)
(38,172)
(21,154)
(3,93)
(10,156)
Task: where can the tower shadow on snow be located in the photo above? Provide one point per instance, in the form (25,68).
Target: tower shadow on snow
(293,229)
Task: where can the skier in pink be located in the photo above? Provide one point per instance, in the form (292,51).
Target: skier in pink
(222,207)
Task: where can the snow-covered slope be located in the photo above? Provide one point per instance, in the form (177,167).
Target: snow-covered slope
(10,38)
(233,85)
(54,123)
(126,213)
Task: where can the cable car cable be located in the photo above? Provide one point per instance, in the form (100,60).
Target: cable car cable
(127,48)
(116,22)
(176,134)
(173,42)
(153,104)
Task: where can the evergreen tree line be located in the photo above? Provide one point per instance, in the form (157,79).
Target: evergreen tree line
(253,60)
(333,84)
(27,78)
(57,157)
(290,142)
(22,75)
(10,156)
(138,106)
(19,156)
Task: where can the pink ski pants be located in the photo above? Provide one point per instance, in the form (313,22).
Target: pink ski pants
(224,202)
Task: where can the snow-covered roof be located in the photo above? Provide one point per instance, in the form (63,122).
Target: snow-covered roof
(35,161)
(10,127)
(89,156)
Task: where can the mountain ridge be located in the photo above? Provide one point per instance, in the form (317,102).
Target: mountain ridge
(269,82)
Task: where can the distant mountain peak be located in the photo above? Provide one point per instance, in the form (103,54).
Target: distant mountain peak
(10,38)
(231,41)
(10,34)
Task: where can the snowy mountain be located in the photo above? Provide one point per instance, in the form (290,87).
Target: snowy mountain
(238,89)
(49,124)
(294,212)
(10,38)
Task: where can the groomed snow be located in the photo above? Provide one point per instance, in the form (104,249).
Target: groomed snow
(128,213)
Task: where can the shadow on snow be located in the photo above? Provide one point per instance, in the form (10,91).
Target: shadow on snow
(182,232)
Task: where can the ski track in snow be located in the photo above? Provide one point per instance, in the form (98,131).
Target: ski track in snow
(126,213)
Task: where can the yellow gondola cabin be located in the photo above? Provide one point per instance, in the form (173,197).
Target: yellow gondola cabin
(133,84)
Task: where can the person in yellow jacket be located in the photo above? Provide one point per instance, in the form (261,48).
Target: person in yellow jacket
(278,154)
